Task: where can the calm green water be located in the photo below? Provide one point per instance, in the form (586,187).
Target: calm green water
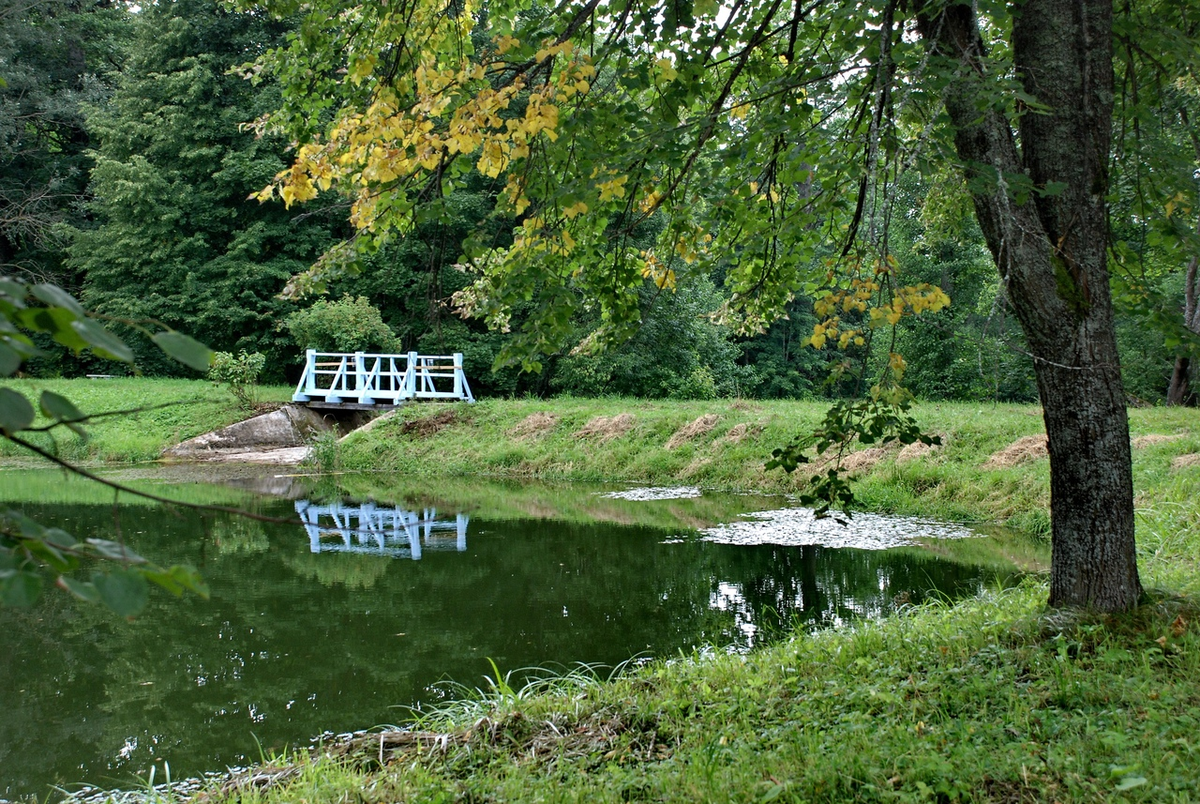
(294,642)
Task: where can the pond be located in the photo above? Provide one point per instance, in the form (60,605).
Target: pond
(387,590)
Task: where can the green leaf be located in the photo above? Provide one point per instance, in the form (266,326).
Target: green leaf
(15,411)
(115,551)
(124,591)
(10,360)
(163,579)
(59,408)
(59,538)
(18,522)
(15,291)
(178,579)
(19,588)
(53,320)
(1053,188)
(103,342)
(189,578)
(187,351)
(54,296)
(49,555)
(84,590)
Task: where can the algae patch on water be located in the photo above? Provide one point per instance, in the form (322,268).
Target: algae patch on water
(655,493)
(797,527)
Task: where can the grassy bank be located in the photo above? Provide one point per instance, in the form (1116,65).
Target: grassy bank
(988,700)
(174,410)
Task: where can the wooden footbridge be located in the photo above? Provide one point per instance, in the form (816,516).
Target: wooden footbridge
(364,380)
(373,530)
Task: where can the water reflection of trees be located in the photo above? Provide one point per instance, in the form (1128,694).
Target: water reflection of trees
(294,643)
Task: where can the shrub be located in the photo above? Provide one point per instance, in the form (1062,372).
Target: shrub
(350,324)
(239,374)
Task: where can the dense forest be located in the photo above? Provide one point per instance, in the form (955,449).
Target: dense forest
(128,174)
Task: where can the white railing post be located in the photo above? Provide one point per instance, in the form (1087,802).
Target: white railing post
(307,383)
(309,517)
(410,376)
(461,389)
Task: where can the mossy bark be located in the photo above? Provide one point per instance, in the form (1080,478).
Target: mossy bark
(1051,250)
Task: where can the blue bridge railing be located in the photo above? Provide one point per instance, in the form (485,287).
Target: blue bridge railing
(377,379)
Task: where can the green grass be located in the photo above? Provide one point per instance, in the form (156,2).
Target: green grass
(182,409)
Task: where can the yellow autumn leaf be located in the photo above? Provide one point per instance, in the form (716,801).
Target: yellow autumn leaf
(650,201)
(1173,202)
(614,188)
(493,160)
(362,68)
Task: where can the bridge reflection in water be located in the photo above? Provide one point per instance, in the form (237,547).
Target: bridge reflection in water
(366,528)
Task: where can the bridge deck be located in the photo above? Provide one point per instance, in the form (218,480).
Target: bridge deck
(321,405)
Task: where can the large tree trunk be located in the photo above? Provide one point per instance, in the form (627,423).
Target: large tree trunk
(1051,250)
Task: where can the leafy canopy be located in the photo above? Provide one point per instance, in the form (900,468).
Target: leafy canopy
(765,134)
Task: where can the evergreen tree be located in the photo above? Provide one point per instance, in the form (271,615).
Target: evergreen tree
(176,237)
(54,55)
